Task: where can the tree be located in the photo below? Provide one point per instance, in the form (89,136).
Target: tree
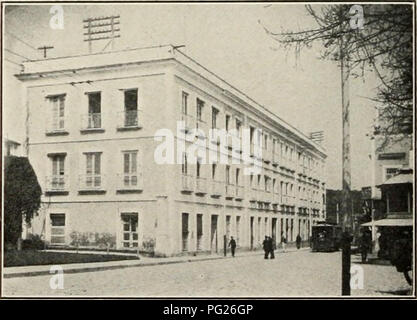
(22,196)
(384,45)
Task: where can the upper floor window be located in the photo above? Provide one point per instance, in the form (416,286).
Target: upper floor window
(57,104)
(57,180)
(92,178)
(131,107)
(200,109)
(214,115)
(213,171)
(198,168)
(227,174)
(239,127)
(227,122)
(184,102)
(94,110)
(184,167)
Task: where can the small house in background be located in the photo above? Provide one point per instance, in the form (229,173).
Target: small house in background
(12,148)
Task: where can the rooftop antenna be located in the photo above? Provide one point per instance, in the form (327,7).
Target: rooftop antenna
(101,28)
(45,48)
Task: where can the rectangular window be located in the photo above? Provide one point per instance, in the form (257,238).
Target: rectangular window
(227,174)
(389,173)
(94,110)
(57,228)
(57,181)
(184,164)
(200,109)
(131,107)
(198,167)
(93,169)
(213,171)
(239,127)
(237,177)
(130,230)
(199,232)
(130,168)
(214,114)
(184,102)
(58,112)
(227,123)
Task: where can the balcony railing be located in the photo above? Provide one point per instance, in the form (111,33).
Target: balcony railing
(56,183)
(91,182)
(201,126)
(128,119)
(240,192)
(275,159)
(254,194)
(130,181)
(189,122)
(187,183)
(201,185)
(91,121)
(230,190)
(216,188)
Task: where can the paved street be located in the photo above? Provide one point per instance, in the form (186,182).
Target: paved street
(290,274)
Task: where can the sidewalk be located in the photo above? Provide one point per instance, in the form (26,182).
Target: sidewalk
(29,271)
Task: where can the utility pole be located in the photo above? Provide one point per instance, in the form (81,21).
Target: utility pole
(101,28)
(45,48)
(346,175)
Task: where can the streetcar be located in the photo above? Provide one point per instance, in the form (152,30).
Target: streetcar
(326,237)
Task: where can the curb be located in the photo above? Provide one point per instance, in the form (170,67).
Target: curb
(124,266)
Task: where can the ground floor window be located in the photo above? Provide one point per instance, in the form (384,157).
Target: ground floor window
(130,229)
(199,231)
(57,228)
(185,232)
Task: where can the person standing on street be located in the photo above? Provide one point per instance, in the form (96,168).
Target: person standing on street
(232,245)
(298,241)
(265,245)
(271,247)
(283,242)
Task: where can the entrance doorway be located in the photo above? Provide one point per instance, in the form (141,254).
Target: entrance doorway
(213,235)
(251,232)
(185,232)
(199,231)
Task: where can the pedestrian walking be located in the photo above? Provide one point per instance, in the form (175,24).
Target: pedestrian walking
(298,241)
(364,246)
(271,247)
(232,245)
(266,247)
(283,243)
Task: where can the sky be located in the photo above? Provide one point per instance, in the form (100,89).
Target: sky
(228,39)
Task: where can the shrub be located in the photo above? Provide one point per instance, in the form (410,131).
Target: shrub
(33,242)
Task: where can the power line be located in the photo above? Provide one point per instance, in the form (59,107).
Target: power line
(16,54)
(24,42)
(18,64)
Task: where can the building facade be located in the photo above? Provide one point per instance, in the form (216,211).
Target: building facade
(93,129)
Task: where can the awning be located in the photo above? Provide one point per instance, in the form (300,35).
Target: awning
(399,179)
(389,222)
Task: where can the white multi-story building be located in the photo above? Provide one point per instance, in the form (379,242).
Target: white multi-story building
(92,132)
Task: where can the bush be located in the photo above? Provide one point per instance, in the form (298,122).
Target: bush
(93,239)
(34,242)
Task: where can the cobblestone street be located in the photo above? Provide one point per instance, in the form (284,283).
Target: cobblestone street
(290,274)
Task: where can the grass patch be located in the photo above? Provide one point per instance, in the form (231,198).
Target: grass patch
(14,258)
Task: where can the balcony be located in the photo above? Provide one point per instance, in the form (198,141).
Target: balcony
(253,194)
(201,126)
(230,191)
(201,185)
(275,159)
(128,120)
(216,188)
(91,123)
(57,184)
(275,199)
(187,184)
(240,192)
(129,182)
(266,155)
(188,122)
(91,183)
